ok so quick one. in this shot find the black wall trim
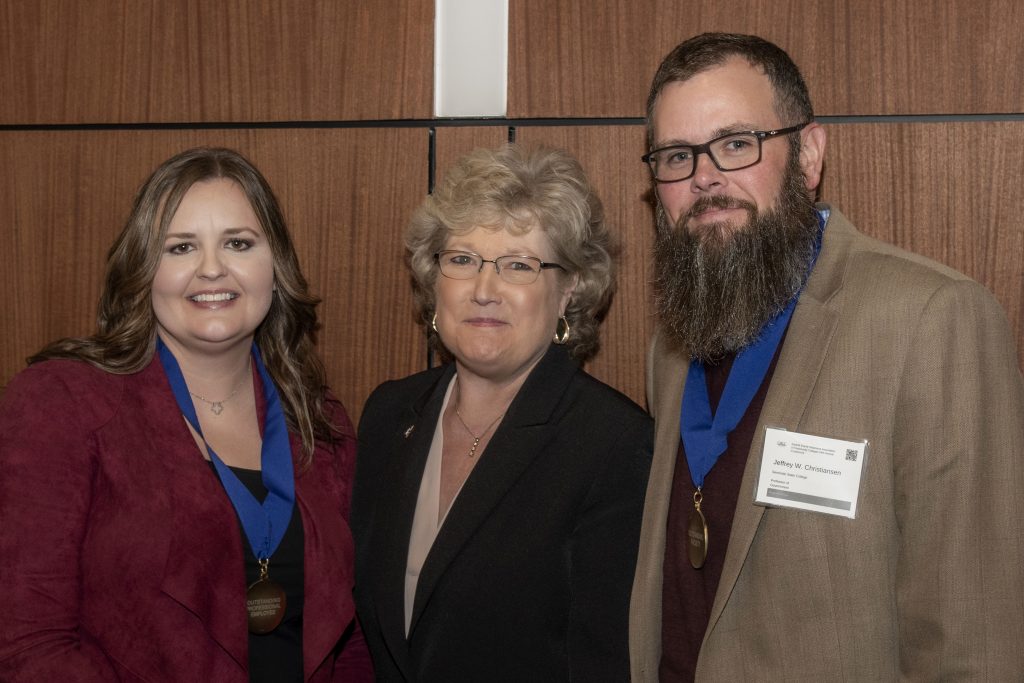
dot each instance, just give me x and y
(433, 124)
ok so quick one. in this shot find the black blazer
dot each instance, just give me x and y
(529, 577)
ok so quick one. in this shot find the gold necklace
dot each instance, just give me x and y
(217, 407)
(476, 439)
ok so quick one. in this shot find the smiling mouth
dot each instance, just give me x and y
(213, 298)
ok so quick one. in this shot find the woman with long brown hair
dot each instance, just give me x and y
(175, 487)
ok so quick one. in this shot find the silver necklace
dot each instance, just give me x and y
(217, 407)
(476, 439)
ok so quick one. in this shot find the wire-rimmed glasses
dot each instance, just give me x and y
(516, 270)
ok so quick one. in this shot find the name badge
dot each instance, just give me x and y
(807, 472)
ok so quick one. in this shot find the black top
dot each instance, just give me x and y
(276, 656)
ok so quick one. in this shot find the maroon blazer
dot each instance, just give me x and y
(120, 553)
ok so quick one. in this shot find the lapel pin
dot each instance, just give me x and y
(409, 430)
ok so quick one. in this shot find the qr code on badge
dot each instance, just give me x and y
(851, 454)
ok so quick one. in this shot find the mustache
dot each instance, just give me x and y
(717, 201)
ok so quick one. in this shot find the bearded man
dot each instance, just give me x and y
(837, 477)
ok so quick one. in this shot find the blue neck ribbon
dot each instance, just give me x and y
(264, 523)
(705, 436)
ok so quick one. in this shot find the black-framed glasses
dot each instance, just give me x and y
(516, 270)
(729, 152)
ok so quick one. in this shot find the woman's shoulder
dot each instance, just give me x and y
(65, 388)
(613, 437)
(73, 379)
(602, 397)
(422, 379)
(400, 393)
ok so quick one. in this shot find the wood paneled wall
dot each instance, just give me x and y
(187, 61)
(332, 101)
(596, 59)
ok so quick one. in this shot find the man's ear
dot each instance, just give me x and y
(812, 154)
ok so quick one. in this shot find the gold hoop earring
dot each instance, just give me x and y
(433, 323)
(563, 336)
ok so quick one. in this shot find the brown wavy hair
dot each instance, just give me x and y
(519, 189)
(125, 337)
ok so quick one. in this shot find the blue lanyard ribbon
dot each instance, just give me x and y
(265, 523)
(705, 436)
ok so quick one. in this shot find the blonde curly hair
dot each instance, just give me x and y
(518, 189)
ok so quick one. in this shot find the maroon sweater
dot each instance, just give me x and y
(688, 593)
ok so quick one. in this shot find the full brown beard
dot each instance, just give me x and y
(715, 288)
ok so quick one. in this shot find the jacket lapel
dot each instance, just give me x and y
(392, 527)
(328, 607)
(666, 380)
(202, 573)
(518, 441)
(805, 347)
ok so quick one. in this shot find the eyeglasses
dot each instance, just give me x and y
(729, 152)
(516, 270)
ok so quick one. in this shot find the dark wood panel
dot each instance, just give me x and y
(949, 191)
(346, 193)
(576, 59)
(67, 61)
(450, 143)
(611, 158)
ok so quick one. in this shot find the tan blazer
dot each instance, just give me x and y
(927, 583)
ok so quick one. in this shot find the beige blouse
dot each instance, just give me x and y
(427, 519)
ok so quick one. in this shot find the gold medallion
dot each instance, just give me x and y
(697, 534)
(266, 602)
